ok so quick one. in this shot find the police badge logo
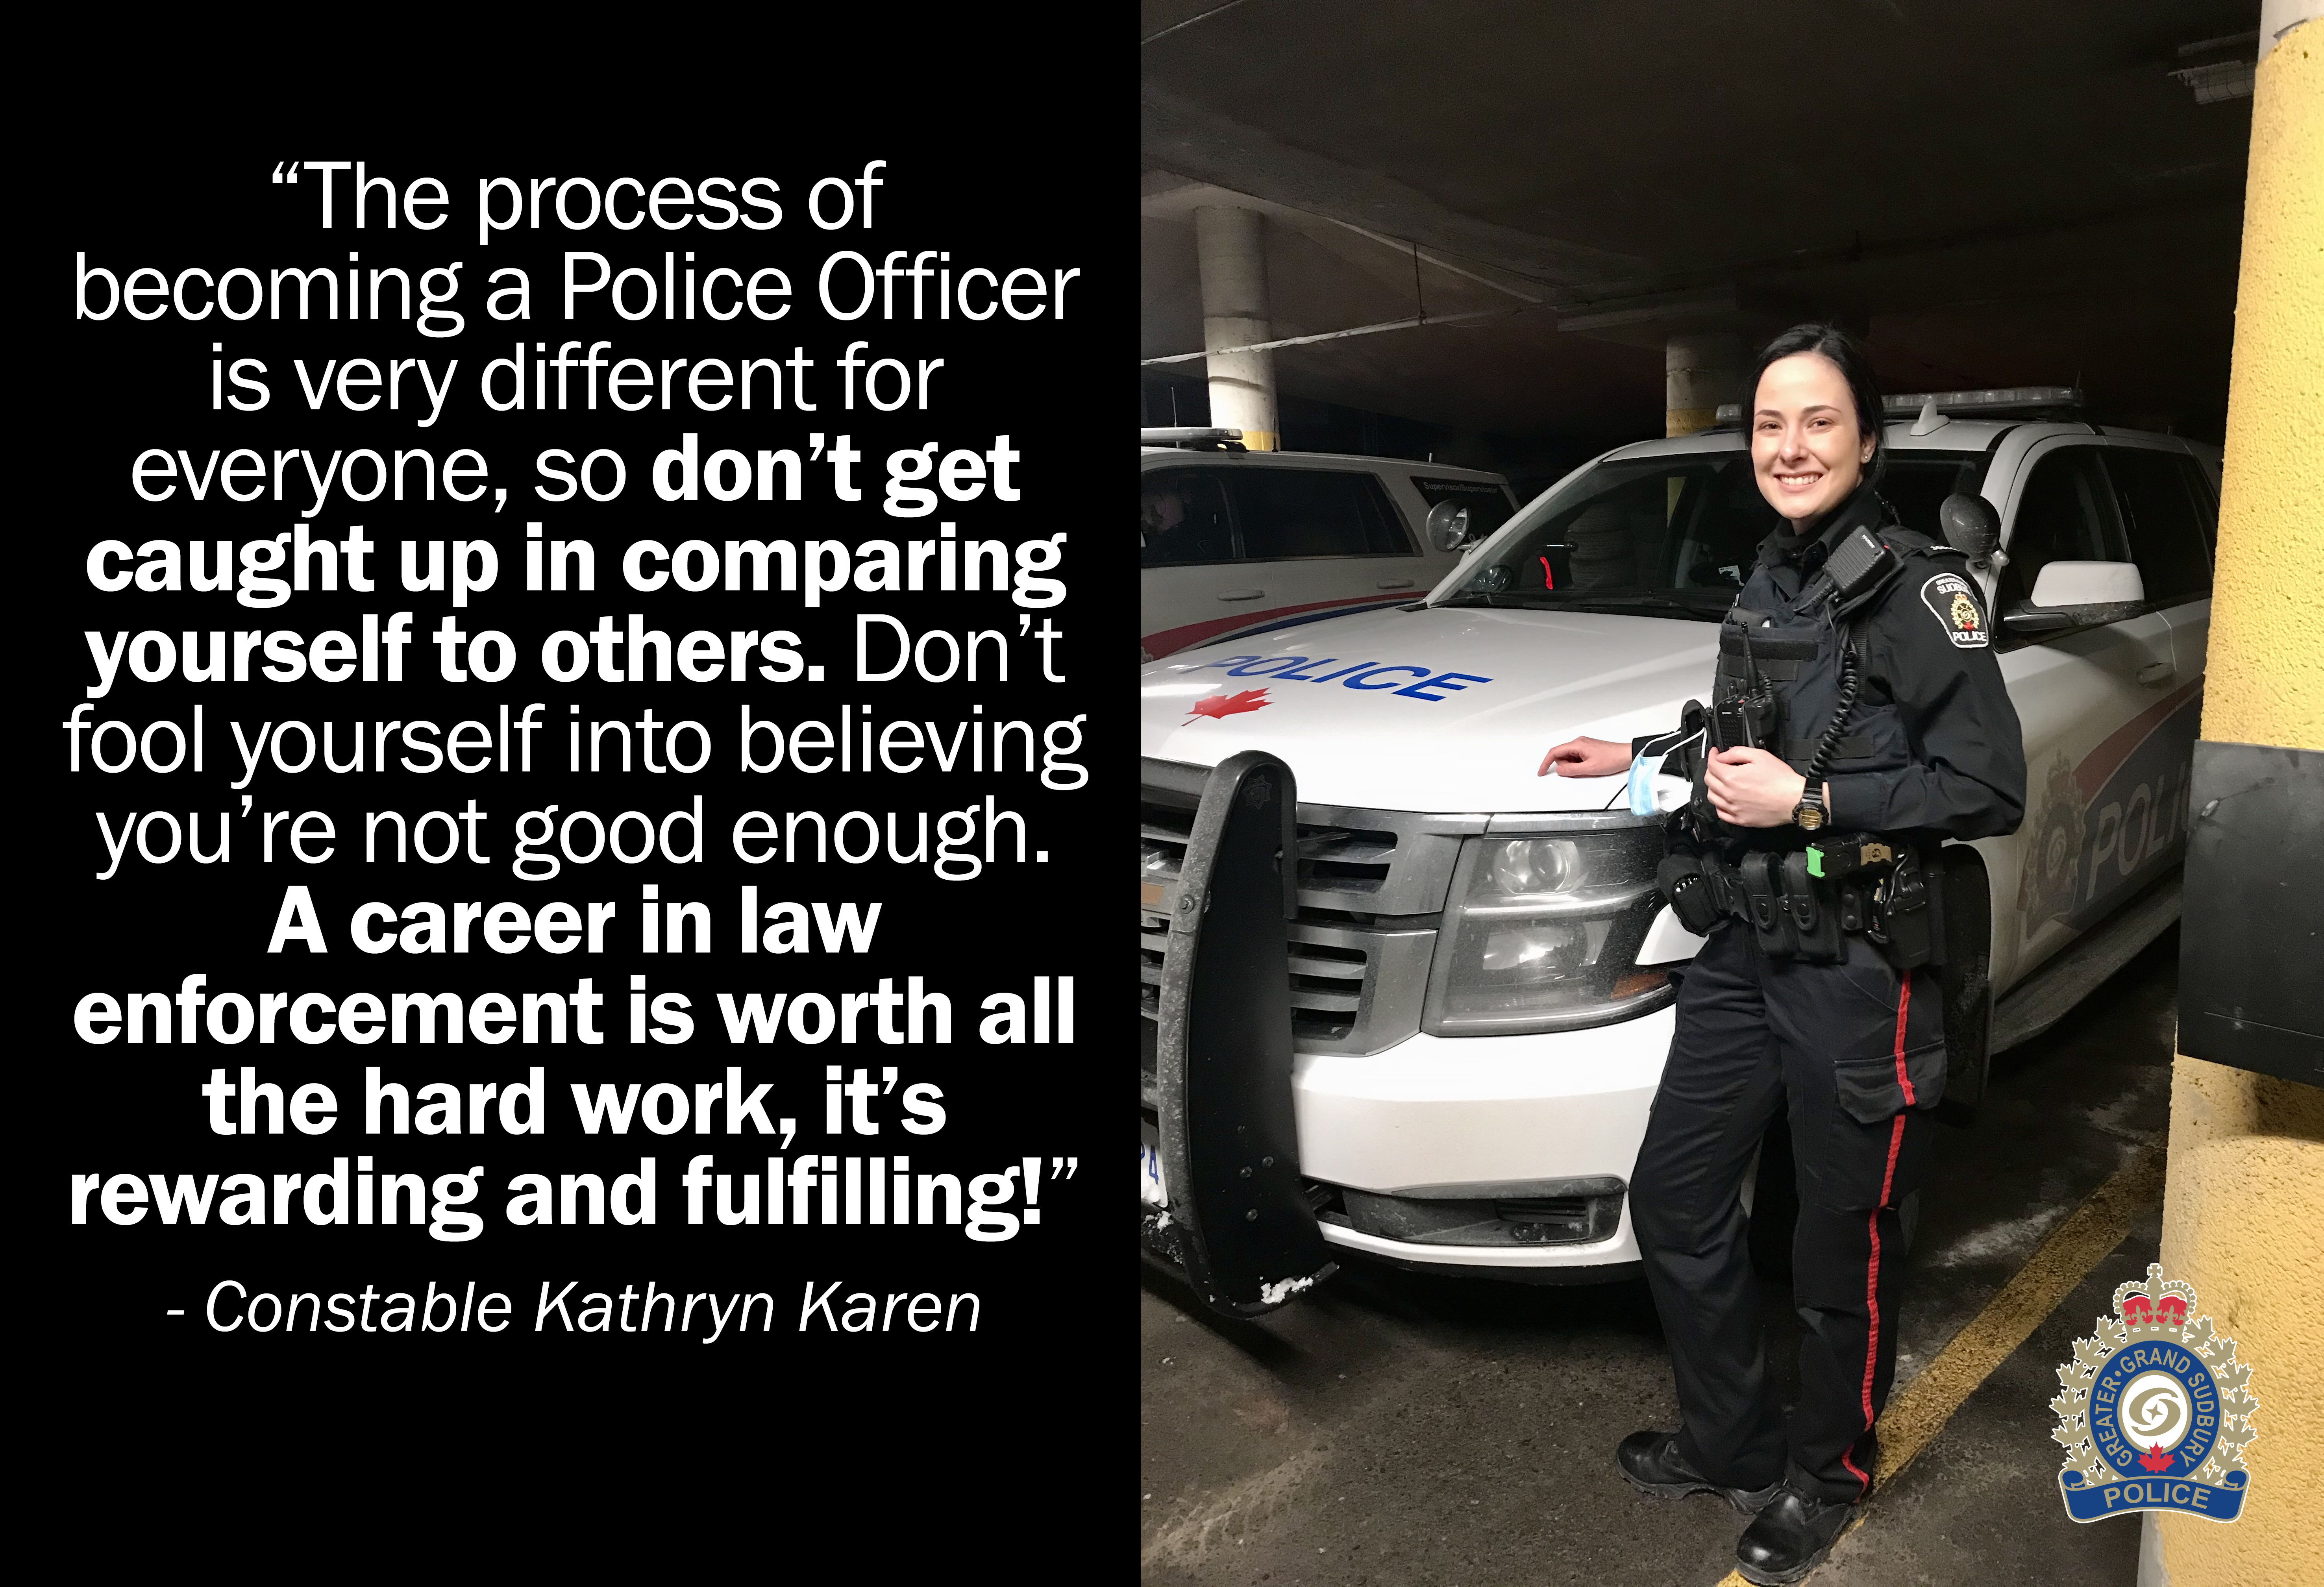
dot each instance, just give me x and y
(1948, 595)
(2155, 1412)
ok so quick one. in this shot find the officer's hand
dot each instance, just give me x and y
(1751, 788)
(1586, 757)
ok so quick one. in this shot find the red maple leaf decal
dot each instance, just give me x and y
(2154, 1460)
(1218, 706)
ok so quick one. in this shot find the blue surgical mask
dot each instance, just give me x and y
(1642, 783)
(1652, 789)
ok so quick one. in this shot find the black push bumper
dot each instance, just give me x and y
(1238, 1222)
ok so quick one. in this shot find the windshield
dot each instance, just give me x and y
(1676, 535)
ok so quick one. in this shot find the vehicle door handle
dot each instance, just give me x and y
(1394, 583)
(2156, 674)
(1240, 594)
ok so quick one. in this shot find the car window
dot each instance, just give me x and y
(1489, 504)
(1182, 517)
(1286, 512)
(2066, 514)
(2159, 492)
(1917, 487)
(2205, 484)
(1677, 534)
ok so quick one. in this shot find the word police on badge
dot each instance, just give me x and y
(1948, 595)
(2155, 1411)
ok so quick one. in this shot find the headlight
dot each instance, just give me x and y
(1543, 932)
(1520, 867)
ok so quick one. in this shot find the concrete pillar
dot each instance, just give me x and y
(1232, 245)
(2243, 1215)
(1701, 370)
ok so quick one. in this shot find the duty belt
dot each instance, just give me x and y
(1799, 904)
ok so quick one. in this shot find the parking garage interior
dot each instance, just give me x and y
(1510, 236)
(1579, 221)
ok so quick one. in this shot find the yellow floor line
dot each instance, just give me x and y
(1916, 1413)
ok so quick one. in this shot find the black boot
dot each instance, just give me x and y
(1651, 1464)
(1790, 1536)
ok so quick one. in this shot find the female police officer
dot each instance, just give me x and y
(1859, 720)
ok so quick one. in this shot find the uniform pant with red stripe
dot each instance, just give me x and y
(1854, 1053)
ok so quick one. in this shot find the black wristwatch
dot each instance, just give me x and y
(1809, 814)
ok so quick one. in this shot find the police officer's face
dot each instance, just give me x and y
(1806, 450)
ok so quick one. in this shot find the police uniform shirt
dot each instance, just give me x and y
(1925, 646)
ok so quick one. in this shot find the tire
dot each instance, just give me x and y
(1969, 1050)
(1969, 990)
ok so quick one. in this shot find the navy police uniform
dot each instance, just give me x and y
(1813, 994)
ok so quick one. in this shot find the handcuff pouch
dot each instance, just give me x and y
(1815, 925)
(1770, 922)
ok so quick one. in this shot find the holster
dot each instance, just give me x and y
(1903, 919)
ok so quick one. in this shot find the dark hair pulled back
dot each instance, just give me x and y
(1855, 367)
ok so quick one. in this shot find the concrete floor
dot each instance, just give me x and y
(1391, 1429)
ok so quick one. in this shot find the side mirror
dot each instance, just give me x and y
(2078, 595)
(1447, 525)
(1970, 526)
(2090, 584)
(2029, 620)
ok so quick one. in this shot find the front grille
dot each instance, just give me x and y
(1327, 985)
(1333, 859)
(1153, 940)
(1352, 862)
(1328, 962)
(1359, 963)
(1337, 944)
(1345, 860)
(1327, 978)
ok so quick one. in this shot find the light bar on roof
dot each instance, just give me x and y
(1988, 400)
(1181, 434)
(1992, 399)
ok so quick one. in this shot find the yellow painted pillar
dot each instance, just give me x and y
(1701, 370)
(2243, 1217)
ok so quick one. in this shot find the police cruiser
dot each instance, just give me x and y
(1404, 996)
(1234, 542)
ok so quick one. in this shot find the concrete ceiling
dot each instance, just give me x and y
(1995, 193)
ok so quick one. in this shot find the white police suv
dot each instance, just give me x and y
(1234, 542)
(1476, 970)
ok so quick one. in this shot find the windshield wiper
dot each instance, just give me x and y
(1704, 601)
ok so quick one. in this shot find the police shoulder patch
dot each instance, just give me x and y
(1953, 600)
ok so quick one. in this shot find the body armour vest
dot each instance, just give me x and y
(1801, 650)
